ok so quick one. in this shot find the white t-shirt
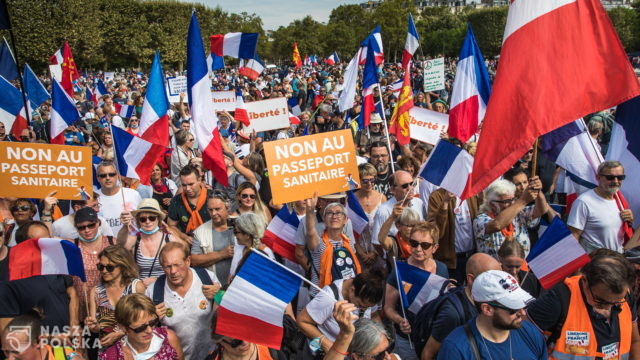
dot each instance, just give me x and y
(111, 206)
(600, 222)
(320, 309)
(464, 227)
(191, 318)
(63, 228)
(385, 210)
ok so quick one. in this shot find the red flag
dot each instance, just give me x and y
(69, 70)
(296, 56)
(400, 119)
(544, 82)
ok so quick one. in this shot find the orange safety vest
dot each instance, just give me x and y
(577, 339)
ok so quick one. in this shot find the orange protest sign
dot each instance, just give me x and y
(34, 170)
(300, 166)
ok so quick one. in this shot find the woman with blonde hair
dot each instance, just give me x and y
(248, 200)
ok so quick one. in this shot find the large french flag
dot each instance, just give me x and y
(411, 44)
(135, 156)
(238, 45)
(63, 112)
(374, 41)
(241, 114)
(471, 90)
(154, 122)
(125, 111)
(556, 255)
(333, 59)
(448, 167)
(12, 112)
(356, 214)
(348, 94)
(201, 104)
(538, 72)
(418, 287)
(45, 256)
(280, 235)
(251, 68)
(253, 306)
(369, 83)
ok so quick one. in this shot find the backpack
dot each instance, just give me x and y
(158, 286)
(423, 321)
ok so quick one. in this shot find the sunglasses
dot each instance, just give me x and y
(612, 177)
(109, 267)
(144, 219)
(102, 176)
(405, 185)
(500, 306)
(233, 343)
(367, 181)
(379, 356)
(88, 226)
(20, 208)
(153, 323)
(424, 245)
(251, 196)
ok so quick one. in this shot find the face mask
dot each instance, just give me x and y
(154, 347)
(91, 240)
(150, 232)
(133, 126)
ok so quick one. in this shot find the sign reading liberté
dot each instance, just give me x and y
(33, 170)
(434, 74)
(426, 125)
(224, 100)
(267, 115)
(323, 163)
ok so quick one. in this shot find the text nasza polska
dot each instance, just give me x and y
(295, 150)
(40, 171)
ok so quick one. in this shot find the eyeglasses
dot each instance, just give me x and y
(424, 245)
(500, 306)
(233, 343)
(20, 208)
(88, 226)
(109, 267)
(337, 214)
(144, 219)
(102, 176)
(405, 185)
(367, 181)
(153, 323)
(379, 356)
(505, 201)
(603, 302)
(251, 196)
(613, 177)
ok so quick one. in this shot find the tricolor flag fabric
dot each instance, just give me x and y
(296, 56)
(238, 45)
(135, 156)
(294, 105)
(8, 67)
(448, 167)
(418, 287)
(154, 121)
(556, 255)
(314, 60)
(306, 61)
(400, 119)
(294, 120)
(374, 40)
(45, 256)
(555, 74)
(241, 113)
(125, 111)
(348, 94)
(471, 90)
(251, 68)
(397, 86)
(215, 62)
(56, 58)
(201, 104)
(12, 112)
(90, 96)
(63, 112)
(332, 59)
(369, 83)
(253, 306)
(36, 92)
(101, 89)
(356, 214)
(280, 235)
(411, 44)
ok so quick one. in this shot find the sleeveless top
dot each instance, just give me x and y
(149, 266)
(105, 312)
(166, 352)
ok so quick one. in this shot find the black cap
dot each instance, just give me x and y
(85, 214)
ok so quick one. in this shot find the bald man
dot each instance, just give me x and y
(447, 317)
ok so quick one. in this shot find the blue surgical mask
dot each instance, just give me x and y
(150, 232)
(91, 240)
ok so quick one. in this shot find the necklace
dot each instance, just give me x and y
(488, 352)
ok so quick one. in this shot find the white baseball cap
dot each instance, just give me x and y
(500, 287)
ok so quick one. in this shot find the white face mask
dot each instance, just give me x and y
(154, 347)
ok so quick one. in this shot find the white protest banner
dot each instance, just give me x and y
(224, 100)
(175, 86)
(109, 75)
(267, 115)
(426, 125)
(434, 74)
(56, 72)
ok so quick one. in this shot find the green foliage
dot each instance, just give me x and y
(488, 26)
(627, 24)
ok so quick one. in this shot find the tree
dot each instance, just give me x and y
(627, 24)
(488, 26)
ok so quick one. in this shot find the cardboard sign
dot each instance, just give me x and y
(434, 74)
(175, 86)
(224, 100)
(300, 166)
(34, 170)
(426, 125)
(267, 115)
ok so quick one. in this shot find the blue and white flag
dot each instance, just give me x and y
(448, 167)
(417, 286)
(8, 67)
(356, 214)
(36, 92)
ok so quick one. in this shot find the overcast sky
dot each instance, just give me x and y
(275, 13)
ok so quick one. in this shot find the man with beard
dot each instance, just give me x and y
(499, 331)
(380, 159)
(595, 219)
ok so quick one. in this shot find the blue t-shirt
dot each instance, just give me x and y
(522, 344)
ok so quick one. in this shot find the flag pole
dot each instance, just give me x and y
(115, 161)
(22, 90)
(534, 160)
(404, 315)
(386, 129)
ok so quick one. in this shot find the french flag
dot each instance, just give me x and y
(374, 41)
(333, 59)
(36, 92)
(253, 305)
(556, 255)
(418, 287)
(356, 214)
(201, 104)
(56, 58)
(95, 161)
(237, 45)
(154, 122)
(90, 96)
(63, 112)
(348, 93)
(448, 167)
(314, 60)
(135, 156)
(12, 112)
(241, 113)
(45, 256)
(306, 61)
(280, 235)
(397, 86)
(369, 83)
(294, 105)
(471, 90)
(101, 89)
(251, 68)
(215, 62)
(125, 111)
(411, 44)
(293, 119)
